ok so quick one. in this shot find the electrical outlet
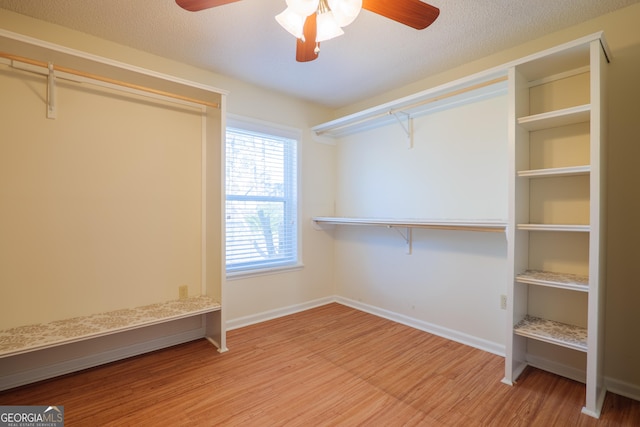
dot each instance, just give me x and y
(503, 302)
(183, 292)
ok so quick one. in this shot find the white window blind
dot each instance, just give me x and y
(261, 202)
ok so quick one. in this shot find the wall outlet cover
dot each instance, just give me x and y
(183, 292)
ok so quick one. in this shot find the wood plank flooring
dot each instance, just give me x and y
(328, 366)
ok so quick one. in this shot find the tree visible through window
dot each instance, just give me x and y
(261, 205)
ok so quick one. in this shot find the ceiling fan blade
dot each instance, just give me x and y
(306, 50)
(413, 13)
(196, 5)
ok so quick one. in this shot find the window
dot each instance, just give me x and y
(261, 200)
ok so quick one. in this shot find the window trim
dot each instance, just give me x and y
(268, 128)
(243, 274)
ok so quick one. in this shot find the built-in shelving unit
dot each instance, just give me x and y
(556, 215)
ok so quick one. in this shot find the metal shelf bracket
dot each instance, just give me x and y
(408, 238)
(51, 93)
(408, 128)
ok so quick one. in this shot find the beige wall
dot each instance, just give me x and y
(253, 295)
(95, 217)
(456, 169)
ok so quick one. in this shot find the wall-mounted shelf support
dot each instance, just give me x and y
(408, 128)
(408, 237)
(51, 93)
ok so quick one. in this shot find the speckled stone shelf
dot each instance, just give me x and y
(27, 338)
(553, 332)
(558, 280)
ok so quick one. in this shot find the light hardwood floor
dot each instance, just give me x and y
(331, 365)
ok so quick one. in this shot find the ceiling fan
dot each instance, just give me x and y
(315, 21)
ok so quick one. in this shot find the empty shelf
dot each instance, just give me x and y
(555, 172)
(463, 225)
(557, 280)
(551, 119)
(555, 227)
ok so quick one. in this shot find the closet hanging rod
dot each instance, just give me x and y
(415, 104)
(107, 80)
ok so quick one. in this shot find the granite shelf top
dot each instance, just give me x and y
(26, 338)
(553, 332)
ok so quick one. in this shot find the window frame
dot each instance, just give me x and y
(252, 125)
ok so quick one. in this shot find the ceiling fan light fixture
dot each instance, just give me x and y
(345, 11)
(328, 27)
(292, 22)
(303, 7)
(323, 19)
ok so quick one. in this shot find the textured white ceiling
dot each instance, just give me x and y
(376, 54)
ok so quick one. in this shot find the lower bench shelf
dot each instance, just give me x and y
(28, 338)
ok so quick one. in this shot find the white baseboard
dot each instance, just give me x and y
(460, 337)
(479, 343)
(557, 368)
(632, 391)
(78, 364)
(241, 322)
(613, 385)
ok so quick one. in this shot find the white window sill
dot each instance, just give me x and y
(238, 275)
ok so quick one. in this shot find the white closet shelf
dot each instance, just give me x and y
(555, 227)
(473, 88)
(555, 172)
(568, 281)
(463, 225)
(557, 118)
(550, 331)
